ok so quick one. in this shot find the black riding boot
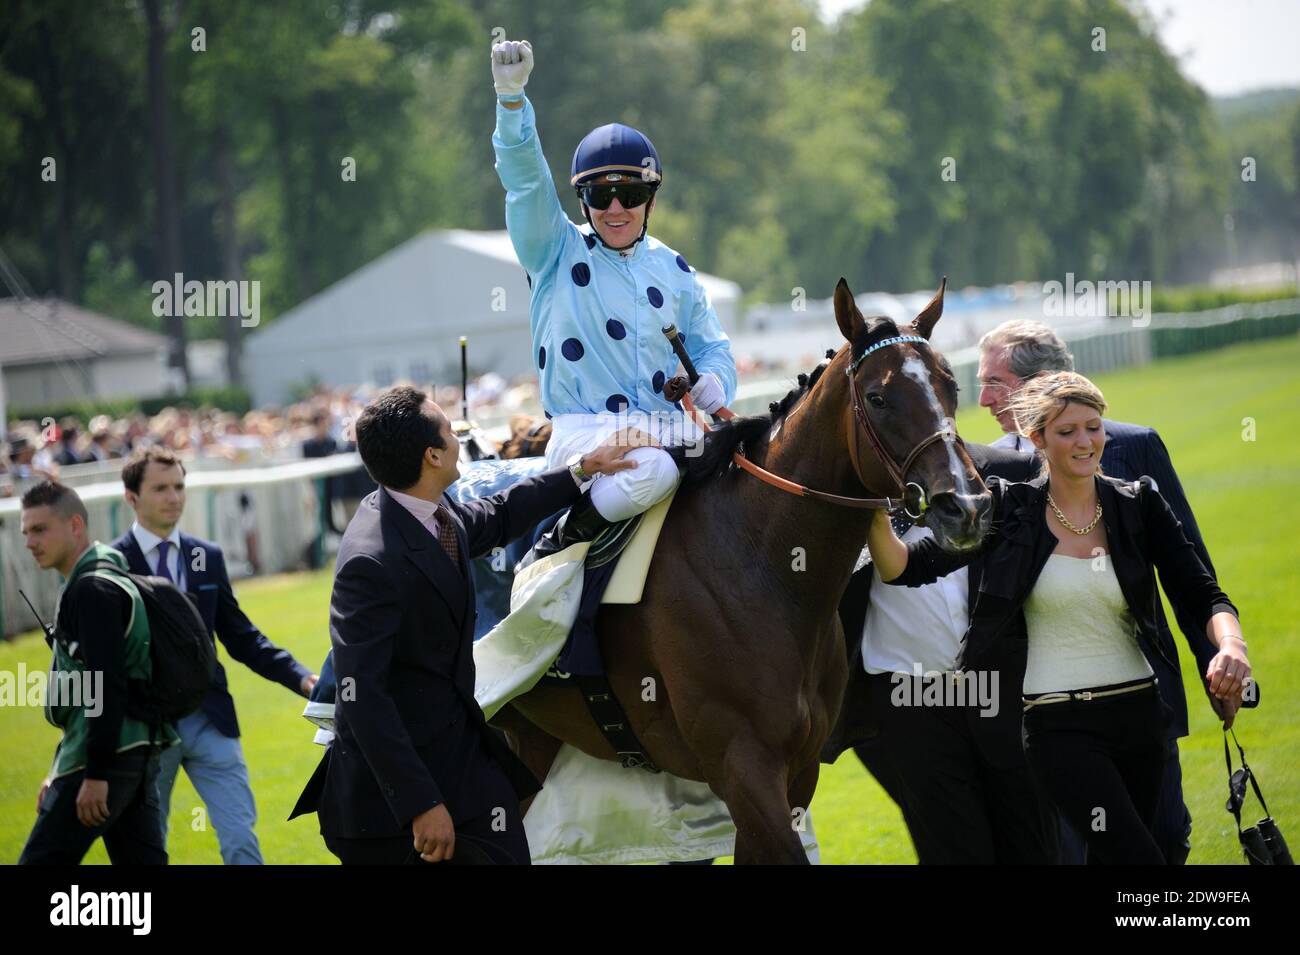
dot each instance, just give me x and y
(582, 523)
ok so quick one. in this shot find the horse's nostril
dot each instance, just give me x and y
(964, 509)
(947, 506)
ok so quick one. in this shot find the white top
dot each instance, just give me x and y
(906, 626)
(149, 542)
(1081, 633)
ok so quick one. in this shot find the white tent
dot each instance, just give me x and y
(400, 316)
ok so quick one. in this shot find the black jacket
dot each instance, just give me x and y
(998, 738)
(208, 584)
(1143, 535)
(409, 734)
(94, 614)
(1133, 451)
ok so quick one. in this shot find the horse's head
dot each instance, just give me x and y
(900, 420)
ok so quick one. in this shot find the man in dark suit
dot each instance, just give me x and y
(210, 751)
(1015, 351)
(414, 771)
(958, 773)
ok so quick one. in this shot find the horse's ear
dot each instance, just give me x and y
(929, 316)
(846, 311)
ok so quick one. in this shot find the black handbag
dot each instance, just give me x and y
(1262, 843)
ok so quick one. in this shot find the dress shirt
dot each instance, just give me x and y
(149, 542)
(425, 512)
(1015, 442)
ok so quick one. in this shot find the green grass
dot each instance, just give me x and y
(1242, 493)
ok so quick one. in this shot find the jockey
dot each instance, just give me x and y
(600, 297)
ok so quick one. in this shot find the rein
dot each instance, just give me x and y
(896, 472)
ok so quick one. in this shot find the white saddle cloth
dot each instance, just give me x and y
(593, 811)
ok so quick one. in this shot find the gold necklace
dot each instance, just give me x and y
(1066, 523)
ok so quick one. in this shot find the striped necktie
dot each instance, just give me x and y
(447, 534)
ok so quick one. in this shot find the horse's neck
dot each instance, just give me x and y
(810, 448)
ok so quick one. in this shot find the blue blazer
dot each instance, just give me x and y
(209, 587)
(1131, 452)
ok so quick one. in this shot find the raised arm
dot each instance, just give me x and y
(496, 520)
(534, 218)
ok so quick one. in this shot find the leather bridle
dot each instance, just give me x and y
(914, 506)
(897, 473)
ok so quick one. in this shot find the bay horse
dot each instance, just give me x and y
(737, 626)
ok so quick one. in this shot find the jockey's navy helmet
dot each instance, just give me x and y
(616, 149)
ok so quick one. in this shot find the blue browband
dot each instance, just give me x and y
(896, 340)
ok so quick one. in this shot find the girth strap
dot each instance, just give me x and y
(613, 722)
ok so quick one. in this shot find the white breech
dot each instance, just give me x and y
(626, 493)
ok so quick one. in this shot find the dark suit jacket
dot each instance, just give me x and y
(208, 584)
(997, 737)
(409, 734)
(1143, 536)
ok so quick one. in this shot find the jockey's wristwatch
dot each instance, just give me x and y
(575, 468)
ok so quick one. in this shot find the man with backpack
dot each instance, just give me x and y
(210, 751)
(104, 779)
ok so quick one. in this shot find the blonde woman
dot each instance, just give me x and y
(1076, 552)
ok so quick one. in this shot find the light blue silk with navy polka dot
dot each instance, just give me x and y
(597, 316)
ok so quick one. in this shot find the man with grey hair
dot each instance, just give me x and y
(1014, 352)
(1009, 354)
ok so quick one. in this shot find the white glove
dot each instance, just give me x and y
(708, 394)
(512, 61)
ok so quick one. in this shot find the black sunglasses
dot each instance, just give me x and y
(600, 195)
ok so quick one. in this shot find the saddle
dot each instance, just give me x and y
(615, 567)
(631, 544)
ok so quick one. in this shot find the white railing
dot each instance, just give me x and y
(1098, 346)
(283, 512)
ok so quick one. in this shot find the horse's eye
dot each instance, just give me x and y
(876, 400)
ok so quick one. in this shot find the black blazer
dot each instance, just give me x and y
(409, 734)
(208, 585)
(1143, 535)
(998, 738)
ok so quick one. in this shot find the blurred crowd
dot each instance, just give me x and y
(314, 427)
